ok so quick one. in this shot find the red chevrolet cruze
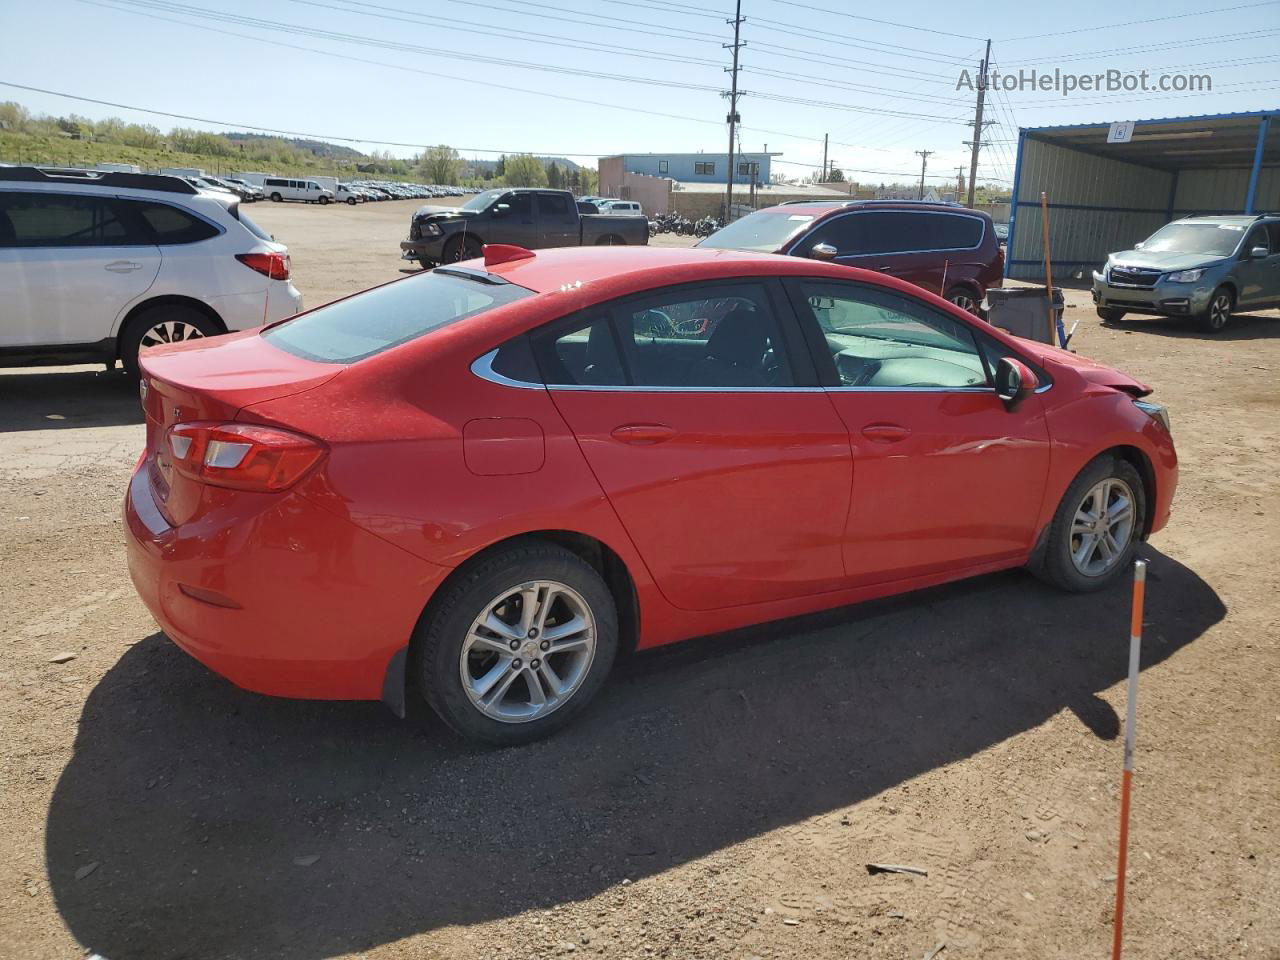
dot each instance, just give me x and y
(480, 483)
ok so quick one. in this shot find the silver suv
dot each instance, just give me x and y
(1201, 267)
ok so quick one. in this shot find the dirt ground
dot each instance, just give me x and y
(722, 798)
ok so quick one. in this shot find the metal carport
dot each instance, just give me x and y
(1105, 196)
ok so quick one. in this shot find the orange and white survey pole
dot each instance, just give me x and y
(1131, 716)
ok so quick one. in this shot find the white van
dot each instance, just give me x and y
(625, 207)
(278, 188)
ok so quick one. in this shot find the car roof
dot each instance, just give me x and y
(624, 268)
(820, 208)
(1239, 218)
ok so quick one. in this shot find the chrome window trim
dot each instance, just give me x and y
(893, 253)
(912, 389)
(482, 367)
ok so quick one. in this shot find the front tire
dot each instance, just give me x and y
(462, 248)
(276, 198)
(324, 201)
(1096, 528)
(1110, 315)
(351, 201)
(518, 645)
(172, 323)
(1218, 313)
(965, 300)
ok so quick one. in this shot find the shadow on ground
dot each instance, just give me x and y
(1241, 326)
(73, 398)
(196, 799)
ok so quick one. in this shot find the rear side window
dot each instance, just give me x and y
(892, 231)
(553, 205)
(169, 225)
(62, 220)
(388, 316)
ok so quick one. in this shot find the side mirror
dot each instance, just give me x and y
(1258, 253)
(1014, 381)
(501, 209)
(823, 251)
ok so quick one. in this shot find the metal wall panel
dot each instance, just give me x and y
(1224, 191)
(1097, 205)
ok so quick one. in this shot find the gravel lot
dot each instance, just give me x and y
(721, 800)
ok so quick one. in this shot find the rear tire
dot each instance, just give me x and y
(167, 323)
(482, 687)
(1096, 528)
(964, 299)
(1218, 313)
(1109, 315)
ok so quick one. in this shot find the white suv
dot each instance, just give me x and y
(95, 266)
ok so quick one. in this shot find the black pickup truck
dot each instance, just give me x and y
(529, 218)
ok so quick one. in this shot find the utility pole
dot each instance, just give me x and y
(959, 181)
(824, 158)
(924, 156)
(977, 125)
(732, 118)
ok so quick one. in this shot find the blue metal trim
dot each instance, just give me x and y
(1087, 206)
(1191, 119)
(1056, 263)
(1264, 125)
(1013, 206)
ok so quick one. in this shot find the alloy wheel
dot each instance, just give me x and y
(528, 652)
(1102, 527)
(170, 331)
(965, 302)
(1219, 311)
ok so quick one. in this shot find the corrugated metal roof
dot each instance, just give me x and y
(1192, 119)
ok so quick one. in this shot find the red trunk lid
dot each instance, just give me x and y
(212, 379)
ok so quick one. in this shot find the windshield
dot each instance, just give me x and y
(387, 316)
(766, 231)
(1211, 239)
(482, 200)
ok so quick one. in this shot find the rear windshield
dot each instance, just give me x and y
(249, 224)
(764, 232)
(388, 316)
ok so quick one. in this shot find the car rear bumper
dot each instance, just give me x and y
(1163, 300)
(276, 594)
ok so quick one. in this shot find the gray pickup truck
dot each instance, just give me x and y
(529, 218)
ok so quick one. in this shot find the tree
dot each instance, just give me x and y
(835, 175)
(440, 165)
(500, 168)
(554, 179)
(524, 170)
(588, 182)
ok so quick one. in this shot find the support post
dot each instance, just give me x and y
(1264, 125)
(1130, 718)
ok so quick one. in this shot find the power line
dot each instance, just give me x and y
(1146, 21)
(1130, 51)
(887, 23)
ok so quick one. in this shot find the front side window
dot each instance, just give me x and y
(846, 233)
(1257, 238)
(387, 316)
(62, 220)
(878, 338)
(521, 205)
(720, 336)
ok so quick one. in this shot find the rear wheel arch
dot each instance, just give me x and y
(596, 553)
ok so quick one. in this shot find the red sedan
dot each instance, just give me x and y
(480, 483)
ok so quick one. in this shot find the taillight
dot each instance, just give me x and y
(273, 265)
(242, 456)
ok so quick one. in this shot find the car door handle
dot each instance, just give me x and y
(885, 432)
(122, 266)
(643, 434)
(884, 269)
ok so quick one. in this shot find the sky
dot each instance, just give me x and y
(591, 78)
